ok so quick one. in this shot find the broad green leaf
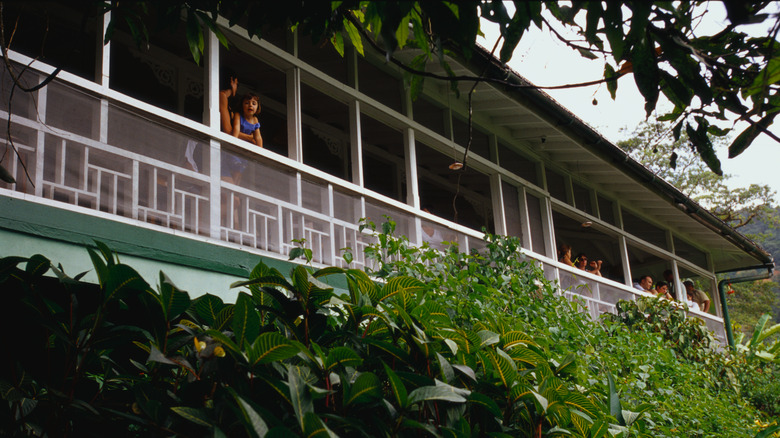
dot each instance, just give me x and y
(37, 265)
(194, 36)
(337, 40)
(437, 392)
(486, 337)
(299, 395)
(486, 403)
(208, 307)
(514, 338)
(613, 400)
(224, 317)
(196, 416)
(174, 301)
(313, 427)
(354, 36)
(253, 422)
(746, 137)
(764, 79)
(246, 320)
(122, 278)
(366, 388)
(758, 328)
(399, 390)
(398, 285)
(342, 356)
(270, 347)
(448, 375)
(580, 402)
(769, 332)
(501, 365)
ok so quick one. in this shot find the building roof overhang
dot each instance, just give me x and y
(564, 141)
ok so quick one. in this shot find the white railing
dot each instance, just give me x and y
(124, 163)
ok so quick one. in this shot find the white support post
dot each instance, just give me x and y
(525, 220)
(40, 143)
(103, 51)
(215, 193)
(499, 215)
(356, 143)
(211, 81)
(410, 150)
(294, 122)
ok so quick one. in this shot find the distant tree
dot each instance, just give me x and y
(677, 162)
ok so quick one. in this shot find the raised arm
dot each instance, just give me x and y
(226, 125)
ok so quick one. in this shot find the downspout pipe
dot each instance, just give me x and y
(722, 293)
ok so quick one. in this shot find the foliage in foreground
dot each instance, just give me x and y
(448, 344)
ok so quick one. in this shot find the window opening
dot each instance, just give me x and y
(644, 230)
(383, 158)
(589, 244)
(380, 85)
(162, 74)
(64, 38)
(556, 185)
(437, 184)
(326, 144)
(517, 164)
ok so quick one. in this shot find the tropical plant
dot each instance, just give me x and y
(440, 344)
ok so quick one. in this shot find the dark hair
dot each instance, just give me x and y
(661, 284)
(254, 96)
(225, 75)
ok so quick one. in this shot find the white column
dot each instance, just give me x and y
(356, 143)
(294, 124)
(211, 82)
(410, 150)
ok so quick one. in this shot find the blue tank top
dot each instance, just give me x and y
(246, 127)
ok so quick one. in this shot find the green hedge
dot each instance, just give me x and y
(430, 344)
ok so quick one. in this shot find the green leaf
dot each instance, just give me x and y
(252, 421)
(208, 307)
(354, 36)
(766, 77)
(646, 73)
(768, 432)
(366, 388)
(343, 356)
(194, 415)
(486, 337)
(337, 40)
(6, 176)
(397, 387)
(122, 278)
(37, 265)
(401, 285)
(486, 403)
(271, 347)
(746, 137)
(246, 320)
(502, 365)
(438, 392)
(174, 302)
(299, 395)
(613, 400)
(759, 327)
(313, 427)
(194, 36)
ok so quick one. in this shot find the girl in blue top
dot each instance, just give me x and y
(245, 123)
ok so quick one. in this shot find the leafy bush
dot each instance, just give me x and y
(440, 344)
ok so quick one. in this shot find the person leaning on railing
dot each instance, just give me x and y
(662, 291)
(697, 296)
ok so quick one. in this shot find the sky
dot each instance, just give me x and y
(545, 61)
